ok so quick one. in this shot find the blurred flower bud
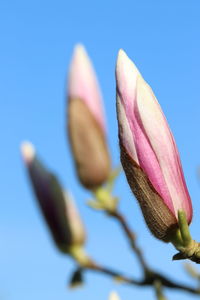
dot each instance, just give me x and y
(57, 206)
(86, 124)
(113, 296)
(76, 279)
(148, 152)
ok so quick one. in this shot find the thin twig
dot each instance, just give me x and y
(148, 281)
(150, 277)
(159, 290)
(132, 240)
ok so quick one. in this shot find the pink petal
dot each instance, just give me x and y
(162, 143)
(83, 84)
(147, 137)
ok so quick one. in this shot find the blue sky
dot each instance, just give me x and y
(37, 40)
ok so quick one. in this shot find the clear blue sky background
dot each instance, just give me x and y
(36, 43)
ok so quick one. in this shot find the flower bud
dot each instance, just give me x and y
(86, 124)
(57, 206)
(114, 296)
(148, 152)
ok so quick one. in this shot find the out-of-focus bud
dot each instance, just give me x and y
(86, 124)
(113, 296)
(148, 152)
(57, 206)
(76, 279)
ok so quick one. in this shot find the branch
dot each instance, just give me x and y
(159, 291)
(132, 239)
(150, 280)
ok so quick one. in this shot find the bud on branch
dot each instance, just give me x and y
(86, 124)
(56, 205)
(148, 152)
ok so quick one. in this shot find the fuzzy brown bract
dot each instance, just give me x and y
(157, 215)
(88, 145)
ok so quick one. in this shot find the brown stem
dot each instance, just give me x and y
(150, 280)
(132, 239)
(116, 275)
(150, 277)
(159, 290)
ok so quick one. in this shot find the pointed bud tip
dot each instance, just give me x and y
(79, 48)
(80, 53)
(79, 73)
(121, 55)
(121, 58)
(28, 152)
(113, 296)
(125, 66)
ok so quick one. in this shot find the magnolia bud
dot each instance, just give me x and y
(57, 207)
(113, 296)
(86, 124)
(148, 152)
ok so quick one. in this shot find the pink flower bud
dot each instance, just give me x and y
(57, 206)
(86, 123)
(148, 152)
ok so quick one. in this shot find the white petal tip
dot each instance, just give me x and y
(79, 48)
(79, 69)
(121, 57)
(28, 152)
(80, 52)
(125, 63)
(121, 54)
(113, 296)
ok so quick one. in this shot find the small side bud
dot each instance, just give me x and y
(76, 279)
(57, 207)
(86, 124)
(113, 296)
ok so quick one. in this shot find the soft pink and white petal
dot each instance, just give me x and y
(82, 83)
(74, 218)
(125, 130)
(126, 77)
(161, 140)
(133, 136)
(147, 137)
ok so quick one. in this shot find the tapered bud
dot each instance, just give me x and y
(113, 296)
(148, 152)
(86, 124)
(57, 206)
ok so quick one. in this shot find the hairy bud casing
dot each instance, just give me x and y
(148, 152)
